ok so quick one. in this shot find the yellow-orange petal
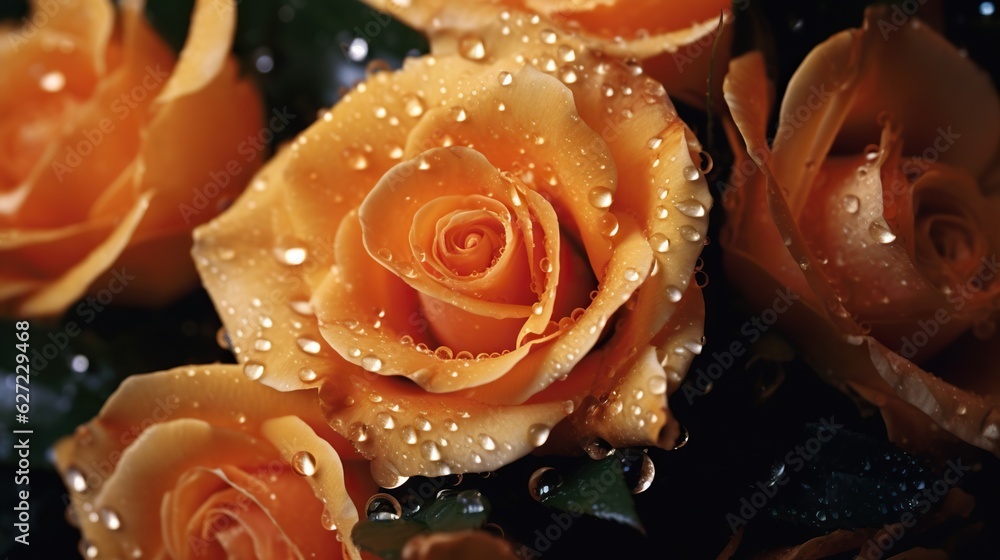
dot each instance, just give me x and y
(294, 438)
(213, 24)
(267, 312)
(68, 287)
(407, 431)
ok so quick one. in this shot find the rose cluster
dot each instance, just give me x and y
(489, 252)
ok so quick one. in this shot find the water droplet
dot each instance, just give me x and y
(309, 346)
(385, 474)
(253, 370)
(691, 208)
(52, 81)
(385, 420)
(538, 434)
(654, 142)
(543, 482)
(303, 463)
(881, 233)
(383, 507)
(566, 53)
(408, 434)
(657, 384)
(609, 225)
(458, 114)
(567, 75)
(291, 256)
(307, 375)
(111, 519)
(659, 242)
(371, 363)
(601, 197)
(472, 47)
(356, 159)
(470, 502)
(691, 173)
(262, 345)
(301, 307)
(327, 520)
(631, 275)
(506, 78)
(486, 442)
(548, 36)
(430, 451)
(75, 480)
(852, 204)
(413, 105)
(690, 234)
(87, 550)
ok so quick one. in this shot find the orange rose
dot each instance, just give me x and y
(673, 39)
(198, 462)
(464, 251)
(891, 247)
(105, 141)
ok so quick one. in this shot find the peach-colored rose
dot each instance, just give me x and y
(198, 462)
(673, 39)
(877, 205)
(465, 251)
(105, 139)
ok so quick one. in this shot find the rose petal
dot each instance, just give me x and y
(458, 546)
(407, 431)
(973, 418)
(270, 302)
(144, 439)
(205, 53)
(59, 294)
(291, 436)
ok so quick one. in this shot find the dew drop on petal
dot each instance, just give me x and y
(881, 233)
(76, 481)
(691, 208)
(659, 242)
(472, 47)
(691, 173)
(601, 197)
(413, 105)
(253, 370)
(430, 451)
(506, 78)
(385, 474)
(307, 375)
(291, 256)
(852, 204)
(303, 463)
(110, 519)
(690, 234)
(538, 434)
(309, 346)
(371, 363)
(486, 442)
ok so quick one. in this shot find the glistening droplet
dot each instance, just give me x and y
(543, 483)
(303, 463)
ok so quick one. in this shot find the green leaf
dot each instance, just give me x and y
(385, 539)
(466, 510)
(596, 488)
(448, 513)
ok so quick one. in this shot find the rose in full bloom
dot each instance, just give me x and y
(876, 205)
(464, 252)
(198, 462)
(112, 150)
(673, 39)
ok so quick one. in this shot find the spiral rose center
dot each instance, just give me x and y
(469, 242)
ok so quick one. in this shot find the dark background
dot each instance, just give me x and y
(750, 417)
